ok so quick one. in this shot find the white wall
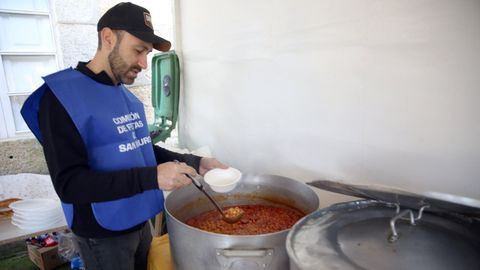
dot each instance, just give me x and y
(364, 91)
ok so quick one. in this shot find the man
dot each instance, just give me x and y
(94, 134)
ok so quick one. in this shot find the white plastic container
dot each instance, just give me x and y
(223, 180)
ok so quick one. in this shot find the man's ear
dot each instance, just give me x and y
(108, 38)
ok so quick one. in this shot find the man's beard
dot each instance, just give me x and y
(120, 68)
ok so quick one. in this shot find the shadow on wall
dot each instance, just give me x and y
(22, 156)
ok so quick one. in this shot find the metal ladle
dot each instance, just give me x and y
(227, 218)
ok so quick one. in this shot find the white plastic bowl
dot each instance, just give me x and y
(223, 180)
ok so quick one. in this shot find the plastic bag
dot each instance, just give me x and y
(66, 245)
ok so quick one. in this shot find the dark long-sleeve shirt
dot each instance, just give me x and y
(74, 181)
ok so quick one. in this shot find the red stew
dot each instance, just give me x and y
(257, 219)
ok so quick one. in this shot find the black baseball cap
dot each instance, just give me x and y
(134, 19)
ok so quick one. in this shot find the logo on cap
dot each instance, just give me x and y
(147, 19)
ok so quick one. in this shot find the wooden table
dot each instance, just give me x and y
(11, 233)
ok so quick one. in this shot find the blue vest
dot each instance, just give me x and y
(112, 124)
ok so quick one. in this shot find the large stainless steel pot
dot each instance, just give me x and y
(410, 231)
(194, 249)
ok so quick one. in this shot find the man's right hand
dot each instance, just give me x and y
(171, 175)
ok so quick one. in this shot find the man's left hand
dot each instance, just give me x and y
(207, 164)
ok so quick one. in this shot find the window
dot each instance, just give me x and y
(27, 52)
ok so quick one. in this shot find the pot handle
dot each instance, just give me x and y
(262, 257)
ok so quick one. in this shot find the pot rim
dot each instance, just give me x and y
(169, 215)
(305, 211)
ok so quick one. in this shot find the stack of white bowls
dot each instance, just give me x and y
(37, 214)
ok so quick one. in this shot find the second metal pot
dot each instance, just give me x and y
(395, 229)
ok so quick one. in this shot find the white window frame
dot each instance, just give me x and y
(7, 122)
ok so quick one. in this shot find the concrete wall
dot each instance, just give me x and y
(76, 38)
(22, 156)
